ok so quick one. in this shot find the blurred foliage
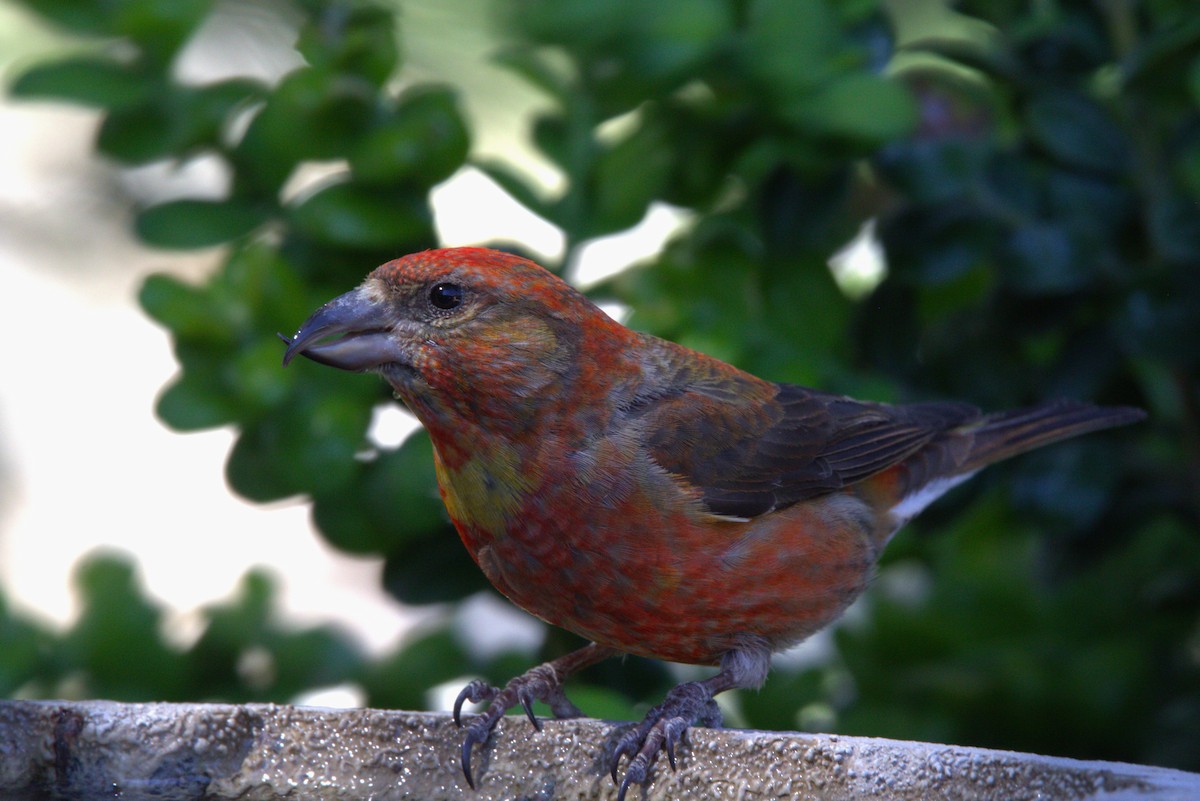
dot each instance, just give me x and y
(1036, 188)
(117, 648)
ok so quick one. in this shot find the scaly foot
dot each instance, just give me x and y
(662, 729)
(692, 703)
(542, 683)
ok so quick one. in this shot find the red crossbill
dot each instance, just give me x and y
(647, 497)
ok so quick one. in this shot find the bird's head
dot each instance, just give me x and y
(459, 332)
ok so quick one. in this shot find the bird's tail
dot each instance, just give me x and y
(1005, 434)
(964, 450)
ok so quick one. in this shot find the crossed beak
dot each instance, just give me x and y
(350, 332)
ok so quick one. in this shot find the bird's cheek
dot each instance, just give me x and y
(437, 368)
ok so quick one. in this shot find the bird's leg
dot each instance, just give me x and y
(690, 703)
(542, 683)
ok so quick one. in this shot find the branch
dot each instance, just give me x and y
(102, 749)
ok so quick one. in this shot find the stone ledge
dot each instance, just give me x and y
(100, 749)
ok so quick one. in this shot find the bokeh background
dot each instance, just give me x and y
(996, 202)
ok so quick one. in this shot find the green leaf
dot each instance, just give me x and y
(312, 115)
(139, 134)
(859, 106)
(118, 620)
(1194, 80)
(346, 523)
(552, 134)
(350, 215)
(423, 142)
(88, 81)
(307, 445)
(210, 110)
(1043, 260)
(993, 62)
(584, 24)
(183, 308)
(1077, 131)
(790, 47)
(23, 657)
(425, 661)
(366, 521)
(404, 478)
(193, 402)
(349, 38)
(256, 373)
(160, 28)
(86, 19)
(1161, 56)
(676, 37)
(538, 71)
(628, 176)
(190, 224)
(432, 570)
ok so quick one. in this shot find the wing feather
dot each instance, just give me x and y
(751, 446)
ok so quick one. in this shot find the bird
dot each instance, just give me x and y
(650, 498)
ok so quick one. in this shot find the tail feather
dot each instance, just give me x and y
(963, 450)
(1005, 434)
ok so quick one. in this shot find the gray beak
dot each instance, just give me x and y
(361, 331)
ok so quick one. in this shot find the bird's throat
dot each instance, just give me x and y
(484, 491)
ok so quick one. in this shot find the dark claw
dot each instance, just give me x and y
(624, 786)
(468, 742)
(477, 734)
(474, 692)
(458, 705)
(527, 705)
(627, 747)
(636, 774)
(542, 683)
(664, 729)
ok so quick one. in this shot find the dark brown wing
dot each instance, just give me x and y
(751, 446)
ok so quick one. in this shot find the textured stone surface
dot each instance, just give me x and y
(97, 749)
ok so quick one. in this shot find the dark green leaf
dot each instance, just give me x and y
(118, 620)
(537, 70)
(1043, 260)
(992, 62)
(432, 570)
(211, 110)
(256, 373)
(193, 402)
(1077, 131)
(790, 47)
(183, 308)
(361, 40)
(140, 134)
(350, 215)
(189, 224)
(160, 29)
(25, 651)
(858, 106)
(404, 479)
(678, 36)
(86, 19)
(424, 662)
(346, 523)
(311, 115)
(423, 143)
(628, 176)
(88, 81)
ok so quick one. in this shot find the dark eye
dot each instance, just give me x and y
(446, 296)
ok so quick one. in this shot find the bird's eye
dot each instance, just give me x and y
(446, 296)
